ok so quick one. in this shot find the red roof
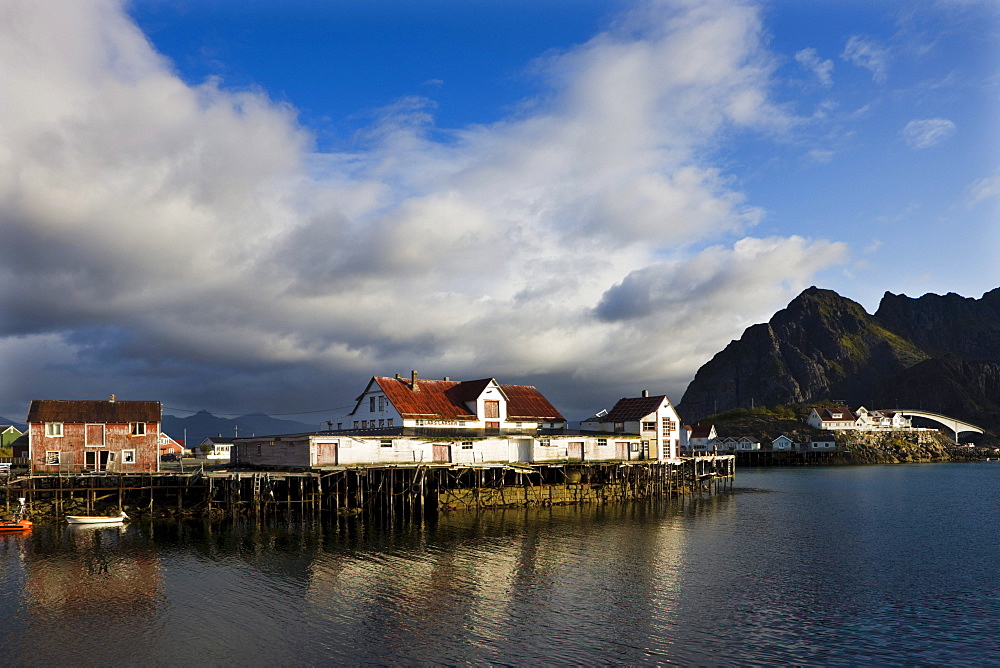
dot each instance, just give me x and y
(447, 399)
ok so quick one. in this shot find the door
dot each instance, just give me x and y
(96, 459)
(326, 454)
(442, 453)
(575, 452)
(621, 450)
(492, 427)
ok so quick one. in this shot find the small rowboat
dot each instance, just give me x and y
(95, 519)
(16, 523)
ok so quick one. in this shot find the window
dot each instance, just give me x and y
(668, 426)
(385, 443)
(517, 425)
(364, 424)
(649, 426)
(491, 408)
(634, 447)
(466, 445)
(545, 442)
(602, 442)
(381, 404)
(355, 424)
(389, 422)
(53, 428)
(138, 428)
(371, 404)
(128, 456)
(381, 423)
(51, 457)
(619, 426)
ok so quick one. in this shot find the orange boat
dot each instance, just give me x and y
(17, 523)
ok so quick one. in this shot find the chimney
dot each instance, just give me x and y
(413, 381)
(398, 377)
(645, 393)
(111, 399)
(447, 377)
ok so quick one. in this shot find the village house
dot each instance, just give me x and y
(861, 419)
(8, 434)
(699, 437)
(120, 436)
(783, 443)
(483, 404)
(216, 448)
(653, 418)
(412, 420)
(170, 446)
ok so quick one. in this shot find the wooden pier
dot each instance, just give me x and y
(404, 492)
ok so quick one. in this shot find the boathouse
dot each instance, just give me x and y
(112, 435)
(654, 418)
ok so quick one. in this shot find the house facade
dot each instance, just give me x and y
(861, 419)
(653, 418)
(329, 449)
(215, 448)
(484, 404)
(8, 434)
(700, 438)
(72, 436)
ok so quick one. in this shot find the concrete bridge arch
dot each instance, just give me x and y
(954, 424)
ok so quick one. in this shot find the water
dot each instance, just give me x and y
(881, 565)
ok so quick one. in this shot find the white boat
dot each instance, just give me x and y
(95, 519)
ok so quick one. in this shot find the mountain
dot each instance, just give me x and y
(21, 426)
(938, 353)
(203, 424)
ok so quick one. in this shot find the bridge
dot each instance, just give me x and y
(954, 424)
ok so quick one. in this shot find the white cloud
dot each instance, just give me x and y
(868, 53)
(186, 235)
(927, 132)
(810, 60)
(984, 189)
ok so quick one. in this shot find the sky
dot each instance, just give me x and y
(257, 206)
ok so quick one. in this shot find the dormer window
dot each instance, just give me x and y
(836, 416)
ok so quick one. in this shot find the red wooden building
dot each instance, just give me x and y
(73, 436)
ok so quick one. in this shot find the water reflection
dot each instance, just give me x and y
(804, 567)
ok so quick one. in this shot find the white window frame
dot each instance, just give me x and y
(467, 445)
(52, 461)
(137, 429)
(602, 442)
(385, 443)
(54, 429)
(128, 457)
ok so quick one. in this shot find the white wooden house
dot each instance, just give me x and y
(387, 403)
(215, 448)
(783, 443)
(653, 418)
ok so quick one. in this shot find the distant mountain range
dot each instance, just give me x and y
(22, 426)
(203, 424)
(939, 353)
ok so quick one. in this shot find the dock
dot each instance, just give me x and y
(383, 491)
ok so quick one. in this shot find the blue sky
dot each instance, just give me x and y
(258, 205)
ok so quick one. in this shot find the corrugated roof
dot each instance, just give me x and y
(631, 409)
(446, 399)
(56, 410)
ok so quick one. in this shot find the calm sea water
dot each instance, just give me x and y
(881, 565)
